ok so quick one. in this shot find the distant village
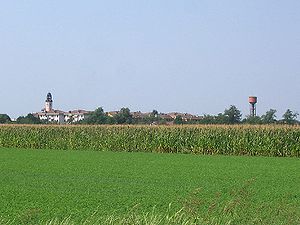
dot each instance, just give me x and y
(231, 115)
(51, 115)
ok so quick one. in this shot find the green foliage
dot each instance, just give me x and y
(208, 119)
(214, 139)
(29, 119)
(96, 117)
(4, 118)
(154, 113)
(123, 117)
(178, 120)
(232, 115)
(269, 117)
(289, 117)
(80, 187)
(221, 119)
(252, 120)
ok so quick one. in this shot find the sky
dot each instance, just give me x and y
(195, 56)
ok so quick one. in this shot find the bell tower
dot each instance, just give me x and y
(48, 103)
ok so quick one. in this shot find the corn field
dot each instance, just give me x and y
(200, 139)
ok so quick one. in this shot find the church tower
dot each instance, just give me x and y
(48, 103)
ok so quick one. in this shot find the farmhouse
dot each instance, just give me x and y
(58, 116)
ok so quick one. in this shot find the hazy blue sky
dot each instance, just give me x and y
(197, 56)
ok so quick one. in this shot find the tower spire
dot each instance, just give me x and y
(48, 103)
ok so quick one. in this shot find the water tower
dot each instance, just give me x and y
(252, 101)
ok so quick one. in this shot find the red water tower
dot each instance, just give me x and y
(252, 101)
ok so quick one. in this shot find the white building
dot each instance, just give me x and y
(75, 115)
(57, 116)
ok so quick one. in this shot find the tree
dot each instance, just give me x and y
(212, 119)
(124, 116)
(4, 118)
(233, 115)
(29, 119)
(289, 117)
(153, 117)
(178, 120)
(154, 113)
(221, 119)
(252, 120)
(96, 117)
(269, 117)
(111, 120)
(208, 119)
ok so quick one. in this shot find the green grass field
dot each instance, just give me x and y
(39, 185)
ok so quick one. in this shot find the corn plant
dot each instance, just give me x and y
(199, 139)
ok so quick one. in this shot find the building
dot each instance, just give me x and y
(54, 116)
(140, 115)
(112, 113)
(58, 116)
(51, 115)
(76, 115)
(186, 117)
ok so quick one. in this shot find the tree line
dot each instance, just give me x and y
(231, 115)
